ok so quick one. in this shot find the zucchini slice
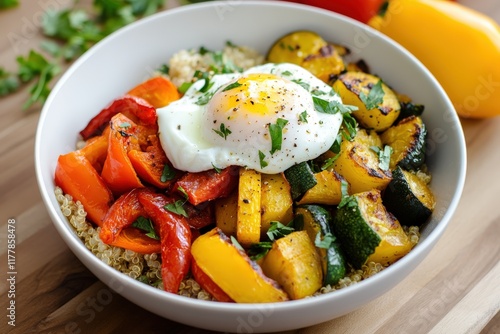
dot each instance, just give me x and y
(378, 105)
(311, 51)
(317, 221)
(407, 140)
(409, 198)
(301, 179)
(358, 163)
(368, 232)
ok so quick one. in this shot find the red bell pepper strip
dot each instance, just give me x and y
(207, 284)
(158, 91)
(131, 106)
(150, 165)
(122, 213)
(175, 236)
(96, 150)
(118, 172)
(208, 185)
(199, 216)
(76, 176)
(135, 240)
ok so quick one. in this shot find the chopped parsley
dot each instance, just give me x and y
(223, 131)
(278, 230)
(262, 156)
(347, 200)
(146, 225)
(384, 156)
(276, 132)
(236, 244)
(177, 207)
(303, 116)
(232, 86)
(167, 174)
(326, 242)
(374, 97)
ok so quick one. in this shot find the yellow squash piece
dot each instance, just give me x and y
(276, 201)
(327, 191)
(355, 87)
(233, 271)
(358, 163)
(249, 199)
(295, 264)
(226, 213)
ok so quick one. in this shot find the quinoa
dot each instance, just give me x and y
(184, 63)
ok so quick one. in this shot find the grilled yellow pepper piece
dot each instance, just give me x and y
(460, 46)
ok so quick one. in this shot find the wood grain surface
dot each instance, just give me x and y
(456, 289)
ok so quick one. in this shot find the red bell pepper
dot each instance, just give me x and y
(208, 185)
(361, 10)
(118, 172)
(149, 165)
(76, 176)
(133, 107)
(158, 91)
(175, 236)
(135, 240)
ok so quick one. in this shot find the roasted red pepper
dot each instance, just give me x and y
(118, 172)
(208, 185)
(133, 107)
(150, 164)
(76, 176)
(175, 236)
(158, 91)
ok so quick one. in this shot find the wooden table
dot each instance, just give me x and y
(455, 290)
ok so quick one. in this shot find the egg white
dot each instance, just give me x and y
(189, 129)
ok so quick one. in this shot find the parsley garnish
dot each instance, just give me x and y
(331, 107)
(232, 86)
(349, 126)
(223, 131)
(202, 100)
(303, 84)
(276, 132)
(125, 125)
(303, 116)
(236, 244)
(326, 242)
(374, 97)
(259, 250)
(8, 82)
(217, 169)
(8, 3)
(384, 156)
(167, 174)
(278, 230)
(177, 207)
(146, 225)
(262, 156)
(347, 200)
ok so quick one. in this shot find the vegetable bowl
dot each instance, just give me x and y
(134, 54)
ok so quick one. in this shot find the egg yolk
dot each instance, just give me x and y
(246, 107)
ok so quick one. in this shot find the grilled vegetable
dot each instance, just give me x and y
(368, 232)
(233, 271)
(301, 179)
(407, 140)
(326, 191)
(377, 104)
(294, 263)
(226, 213)
(248, 215)
(317, 222)
(409, 198)
(276, 200)
(358, 163)
(309, 50)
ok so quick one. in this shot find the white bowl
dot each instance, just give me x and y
(130, 55)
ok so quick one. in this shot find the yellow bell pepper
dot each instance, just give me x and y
(460, 46)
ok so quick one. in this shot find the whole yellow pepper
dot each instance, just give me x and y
(460, 46)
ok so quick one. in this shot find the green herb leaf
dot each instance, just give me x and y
(184, 87)
(8, 3)
(223, 131)
(349, 126)
(374, 97)
(204, 99)
(263, 163)
(8, 82)
(278, 230)
(232, 86)
(303, 116)
(217, 169)
(384, 156)
(146, 225)
(326, 242)
(236, 244)
(347, 200)
(303, 84)
(259, 250)
(183, 192)
(167, 174)
(177, 207)
(276, 132)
